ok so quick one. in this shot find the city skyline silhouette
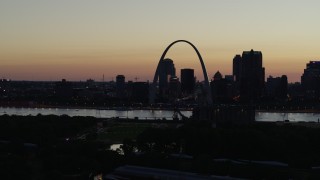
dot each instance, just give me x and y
(80, 40)
(171, 89)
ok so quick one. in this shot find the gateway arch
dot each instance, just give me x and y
(156, 75)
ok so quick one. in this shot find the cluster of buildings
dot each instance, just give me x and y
(246, 84)
(87, 93)
(170, 86)
(310, 80)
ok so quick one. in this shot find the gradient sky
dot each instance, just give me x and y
(81, 39)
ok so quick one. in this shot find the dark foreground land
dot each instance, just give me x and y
(62, 147)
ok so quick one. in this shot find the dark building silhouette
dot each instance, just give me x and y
(283, 89)
(140, 92)
(222, 88)
(251, 75)
(229, 77)
(218, 86)
(63, 89)
(295, 91)
(310, 80)
(237, 67)
(277, 87)
(120, 86)
(90, 83)
(231, 87)
(4, 87)
(174, 88)
(166, 70)
(187, 81)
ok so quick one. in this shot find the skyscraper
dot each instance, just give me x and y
(310, 80)
(174, 88)
(187, 81)
(218, 86)
(277, 87)
(237, 67)
(166, 70)
(251, 76)
(120, 86)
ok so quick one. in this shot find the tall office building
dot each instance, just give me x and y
(166, 70)
(218, 86)
(222, 89)
(120, 86)
(310, 80)
(277, 87)
(187, 81)
(237, 67)
(251, 76)
(174, 88)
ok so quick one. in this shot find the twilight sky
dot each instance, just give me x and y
(81, 39)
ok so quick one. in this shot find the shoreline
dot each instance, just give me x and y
(96, 108)
(120, 108)
(317, 111)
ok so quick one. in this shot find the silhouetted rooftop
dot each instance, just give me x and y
(252, 52)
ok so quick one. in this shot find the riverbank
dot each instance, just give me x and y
(119, 108)
(290, 111)
(64, 146)
(157, 107)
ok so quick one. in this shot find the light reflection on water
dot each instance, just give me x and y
(148, 114)
(292, 117)
(141, 114)
(114, 147)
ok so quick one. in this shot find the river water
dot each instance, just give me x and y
(148, 114)
(141, 114)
